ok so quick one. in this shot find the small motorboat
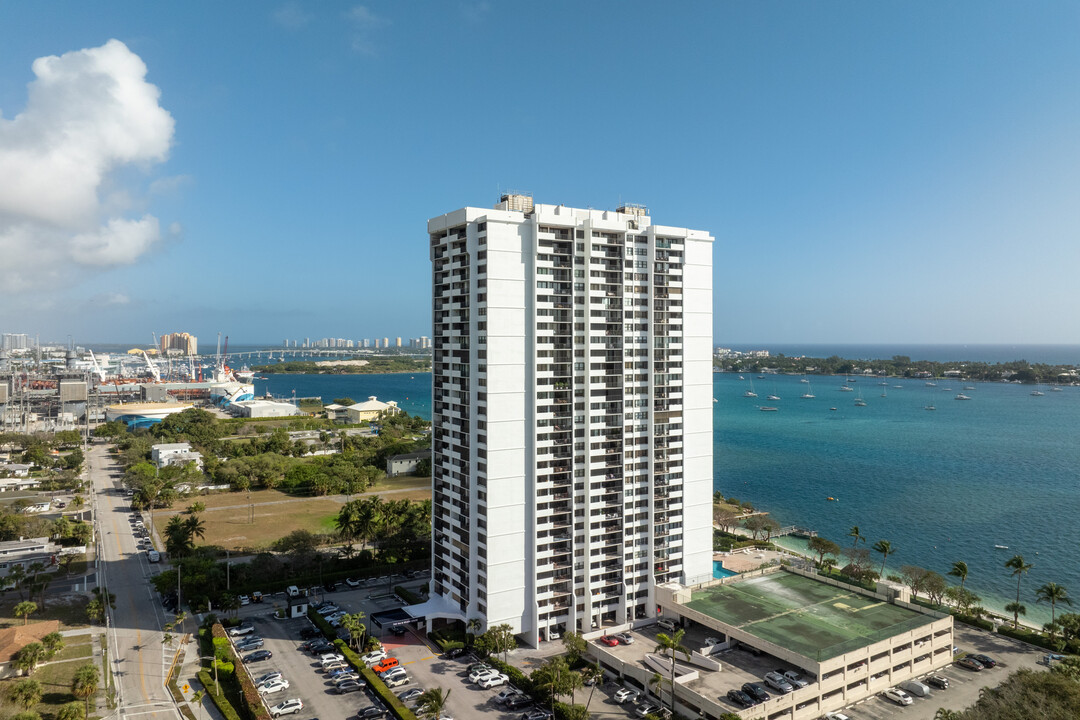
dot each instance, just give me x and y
(832, 499)
(1001, 547)
(765, 408)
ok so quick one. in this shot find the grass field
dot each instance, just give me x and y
(55, 679)
(69, 609)
(226, 519)
(811, 618)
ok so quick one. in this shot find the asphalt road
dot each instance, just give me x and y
(139, 660)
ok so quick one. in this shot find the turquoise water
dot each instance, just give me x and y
(941, 486)
(999, 469)
(719, 571)
(411, 390)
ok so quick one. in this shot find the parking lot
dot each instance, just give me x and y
(964, 685)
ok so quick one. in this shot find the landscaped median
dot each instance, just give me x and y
(245, 701)
(389, 699)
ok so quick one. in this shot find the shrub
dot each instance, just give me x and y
(982, 623)
(407, 595)
(448, 638)
(222, 703)
(255, 710)
(1028, 636)
(320, 622)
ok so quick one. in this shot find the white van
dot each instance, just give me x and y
(292, 591)
(153, 556)
(916, 688)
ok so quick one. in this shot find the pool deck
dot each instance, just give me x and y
(741, 561)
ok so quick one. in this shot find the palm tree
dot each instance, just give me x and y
(473, 625)
(27, 693)
(196, 528)
(85, 684)
(672, 644)
(1017, 609)
(24, 610)
(854, 533)
(1053, 594)
(70, 711)
(658, 681)
(1019, 569)
(828, 564)
(885, 548)
(960, 570)
(946, 714)
(432, 703)
(591, 675)
(28, 658)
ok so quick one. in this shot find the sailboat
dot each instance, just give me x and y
(1037, 392)
(750, 393)
(774, 396)
(859, 402)
(885, 390)
(809, 394)
(846, 388)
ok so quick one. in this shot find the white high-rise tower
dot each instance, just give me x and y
(572, 414)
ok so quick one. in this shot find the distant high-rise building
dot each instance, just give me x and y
(179, 343)
(15, 341)
(367, 342)
(376, 343)
(571, 414)
(399, 342)
(386, 342)
(425, 342)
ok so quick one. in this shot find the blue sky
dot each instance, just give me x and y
(872, 172)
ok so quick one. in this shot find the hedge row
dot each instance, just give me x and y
(389, 699)
(1028, 636)
(521, 681)
(320, 622)
(222, 703)
(407, 595)
(256, 710)
(981, 623)
(447, 638)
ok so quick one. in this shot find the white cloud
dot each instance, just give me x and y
(110, 298)
(291, 16)
(89, 113)
(364, 23)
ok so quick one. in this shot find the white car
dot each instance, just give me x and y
(241, 630)
(373, 657)
(837, 716)
(626, 695)
(490, 681)
(329, 657)
(275, 675)
(273, 686)
(290, 706)
(898, 696)
(477, 675)
(710, 641)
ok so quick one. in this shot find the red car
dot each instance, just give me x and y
(609, 640)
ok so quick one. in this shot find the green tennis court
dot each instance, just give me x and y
(812, 618)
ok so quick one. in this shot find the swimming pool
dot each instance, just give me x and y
(719, 571)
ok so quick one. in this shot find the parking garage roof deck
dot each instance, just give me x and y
(811, 618)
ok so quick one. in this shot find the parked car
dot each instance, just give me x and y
(477, 666)
(666, 624)
(258, 656)
(490, 681)
(327, 609)
(985, 660)
(349, 686)
(624, 637)
(506, 694)
(536, 715)
(713, 641)
(394, 674)
(478, 675)
(608, 640)
(646, 709)
(454, 653)
(397, 681)
(256, 597)
(239, 630)
(756, 691)
(385, 664)
(398, 630)
(353, 582)
(267, 677)
(915, 688)
(288, 707)
(245, 600)
(837, 716)
(250, 644)
(344, 675)
(310, 633)
(273, 686)
(939, 681)
(519, 701)
(626, 695)
(374, 711)
(740, 698)
(334, 665)
(330, 586)
(898, 696)
(411, 694)
(328, 657)
(795, 679)
(778, 682)
(373, 657)
(970, 663)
